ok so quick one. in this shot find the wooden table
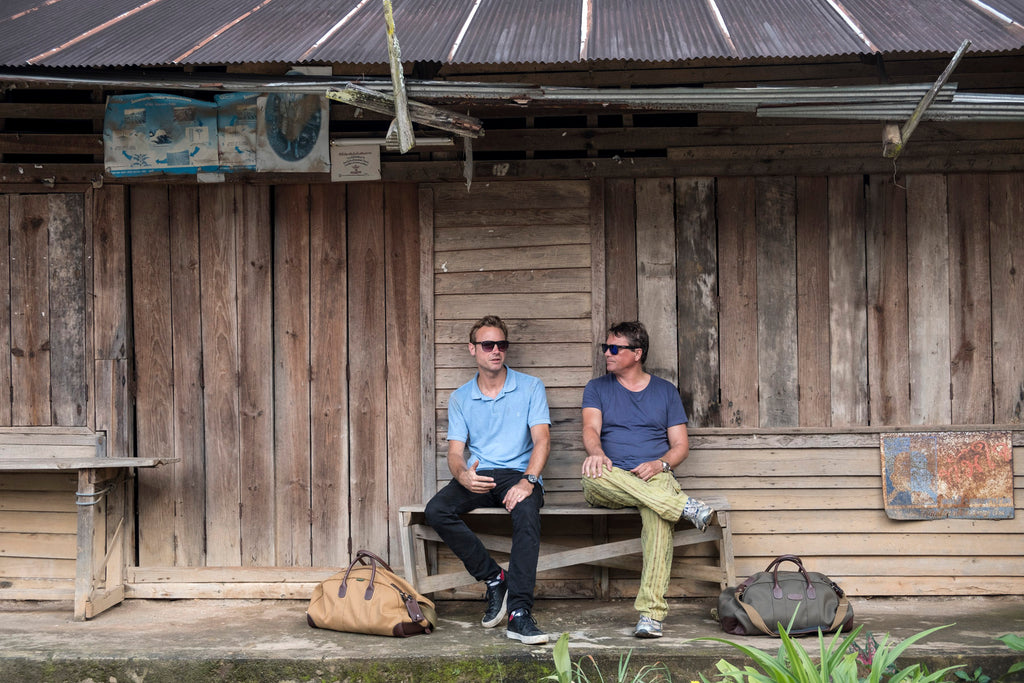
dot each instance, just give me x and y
(99, 561)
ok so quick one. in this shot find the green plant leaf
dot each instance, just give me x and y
(1012, 641)
(563, 664)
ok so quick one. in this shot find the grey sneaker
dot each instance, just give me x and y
(647, 628)
(523, 628)
(697, 513)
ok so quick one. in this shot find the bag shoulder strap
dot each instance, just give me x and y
(756, 619)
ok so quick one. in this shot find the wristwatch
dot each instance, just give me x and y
(665, 467)
(532, 478)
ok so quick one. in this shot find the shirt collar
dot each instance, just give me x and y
(510, 385)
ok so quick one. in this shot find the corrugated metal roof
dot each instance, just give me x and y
(147, 33)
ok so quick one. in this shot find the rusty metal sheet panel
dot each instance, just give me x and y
(787, 28)
(961, 475)
(512, 31)
(422, 35)
(655, 30)
(137, 33)
(927, 25)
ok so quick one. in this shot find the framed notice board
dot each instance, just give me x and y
(932, 475)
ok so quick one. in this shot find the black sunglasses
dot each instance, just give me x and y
(489, 345)
(615, 348)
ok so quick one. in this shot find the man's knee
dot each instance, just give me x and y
(436, 511)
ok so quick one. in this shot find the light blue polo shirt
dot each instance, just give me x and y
(497, 430)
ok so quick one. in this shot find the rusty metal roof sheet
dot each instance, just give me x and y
(148, 33)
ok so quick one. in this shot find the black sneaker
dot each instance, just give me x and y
(497, 599)
(523, 628)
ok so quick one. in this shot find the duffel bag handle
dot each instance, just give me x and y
(361, 557)
(774, 569)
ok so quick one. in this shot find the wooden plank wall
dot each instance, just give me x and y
(276, 342)
(63, 359)
(805, 316)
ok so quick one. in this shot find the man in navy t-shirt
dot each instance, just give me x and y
(634, 432)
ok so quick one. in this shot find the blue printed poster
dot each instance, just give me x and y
(148, 133)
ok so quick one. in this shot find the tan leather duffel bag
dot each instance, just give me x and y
(369, 597)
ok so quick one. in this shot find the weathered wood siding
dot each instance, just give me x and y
(277, 355)
(793, 308)
(63, 362)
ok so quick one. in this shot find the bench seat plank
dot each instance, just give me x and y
(416, 535)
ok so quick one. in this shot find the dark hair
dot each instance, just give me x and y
(636, 333)
(488, 321)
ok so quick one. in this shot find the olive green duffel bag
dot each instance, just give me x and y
(802, 602)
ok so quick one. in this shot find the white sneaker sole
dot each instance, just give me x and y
(529, 640)
(501, 614)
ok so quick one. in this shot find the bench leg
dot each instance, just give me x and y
(725, 553)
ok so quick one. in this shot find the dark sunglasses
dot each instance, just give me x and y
(615, 348)
(489, 345)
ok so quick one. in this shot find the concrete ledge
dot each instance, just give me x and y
(247, 640)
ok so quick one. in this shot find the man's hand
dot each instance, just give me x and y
(646, 470)
(517, 493)
(471, 481)
(596, 465)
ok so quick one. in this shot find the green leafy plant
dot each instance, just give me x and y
(567, 671)
(1014, 642)
(975, 677)
(837, 662)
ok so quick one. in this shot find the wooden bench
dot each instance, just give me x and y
(416, 538)
(100, 557)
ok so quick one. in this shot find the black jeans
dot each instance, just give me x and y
(443, 514)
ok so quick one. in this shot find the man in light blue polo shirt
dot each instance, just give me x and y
(502, 416)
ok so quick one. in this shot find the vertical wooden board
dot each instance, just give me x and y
(656, 274)
(970, 299)
(598, 274)
(186, 341)
(888, 334)
(367, 354)
(110, 272)
(778, 403)
(1006, 224)
(5, 309)
(813, 366)
(401, 241)
(68, 260)
(928, 299)
(697, 296)
(737, 286)
(30, 307)
(291, 375)
(113, 399)
(154, 402)
(620, 251)
(256, 375)
(217, 264)
(427, 335)
(328, 390)
(847, 299)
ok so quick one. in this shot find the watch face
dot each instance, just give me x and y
(530, 478)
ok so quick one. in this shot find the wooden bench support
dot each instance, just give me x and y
(416, 538)
(100, 559)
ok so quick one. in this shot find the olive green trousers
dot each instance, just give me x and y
(660, 502)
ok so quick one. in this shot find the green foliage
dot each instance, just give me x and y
(837, 663)
(567, 671)
(976, 677)
(1014, 642)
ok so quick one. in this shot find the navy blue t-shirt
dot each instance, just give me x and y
(634, 424)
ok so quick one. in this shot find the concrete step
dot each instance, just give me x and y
(268, 641)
